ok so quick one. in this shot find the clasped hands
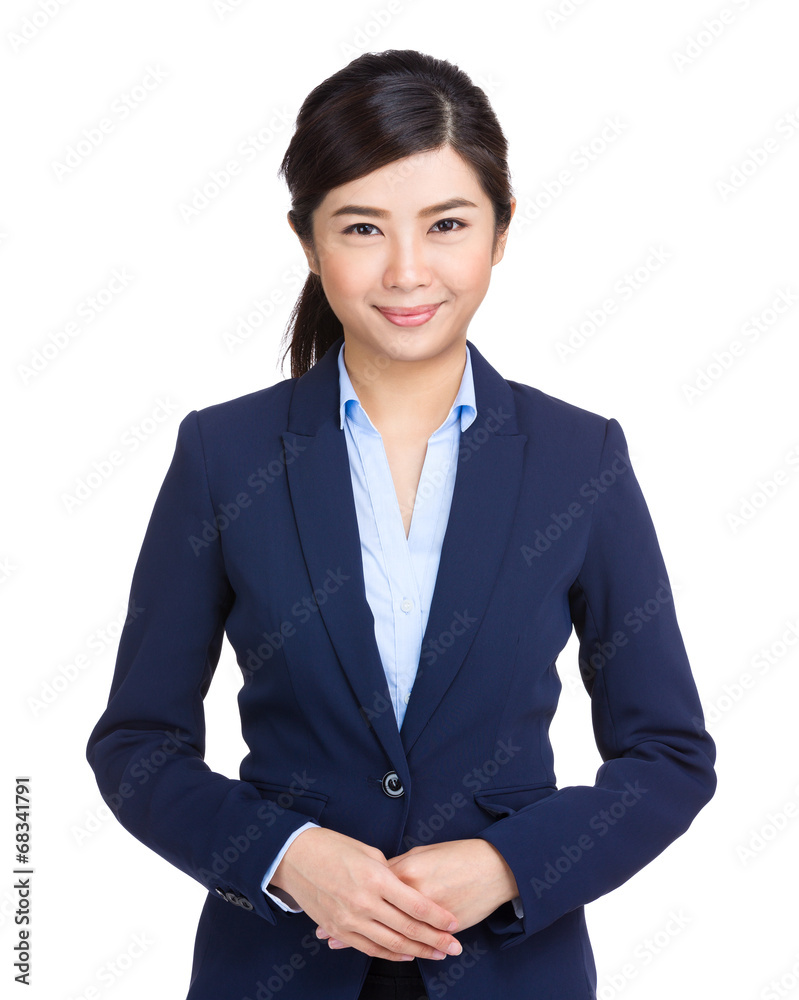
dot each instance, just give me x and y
(397, 908)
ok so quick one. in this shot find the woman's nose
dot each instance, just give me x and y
(407, 265)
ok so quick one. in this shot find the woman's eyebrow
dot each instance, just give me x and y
(381, 213)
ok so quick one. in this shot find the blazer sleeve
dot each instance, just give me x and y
(147, 749)
(582, 841)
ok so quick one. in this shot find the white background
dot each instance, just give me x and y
(699, 98)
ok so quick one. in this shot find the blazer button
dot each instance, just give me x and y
(392, 785)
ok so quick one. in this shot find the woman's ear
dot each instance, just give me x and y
(503, 239)
(310, 256)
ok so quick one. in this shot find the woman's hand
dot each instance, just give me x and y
(469, 878)
(350, 889)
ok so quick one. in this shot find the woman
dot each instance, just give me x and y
(397, 542)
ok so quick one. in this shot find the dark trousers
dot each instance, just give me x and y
(387, 980)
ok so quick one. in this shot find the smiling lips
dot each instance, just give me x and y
(413, 316)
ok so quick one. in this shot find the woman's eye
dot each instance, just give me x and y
(360, 225)
(449, 223)
(442, 226)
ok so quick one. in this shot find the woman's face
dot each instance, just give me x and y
(415, 233)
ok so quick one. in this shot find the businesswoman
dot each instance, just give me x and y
(397, 542)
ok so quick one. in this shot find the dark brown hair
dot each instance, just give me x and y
(381, 107)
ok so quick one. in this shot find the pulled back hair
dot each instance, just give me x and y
(379, 108)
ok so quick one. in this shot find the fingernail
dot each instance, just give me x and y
(438, 954)
(453, 925)
(455, 948)
(406, 958)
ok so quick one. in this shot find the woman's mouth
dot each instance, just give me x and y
(410, 316)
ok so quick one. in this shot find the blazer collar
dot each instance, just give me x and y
(487, 487)
(464, 397)
(316, 396)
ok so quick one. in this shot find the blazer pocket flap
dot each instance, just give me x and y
(301, 800)
(508, 800)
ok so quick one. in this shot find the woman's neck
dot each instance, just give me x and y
(406, 396)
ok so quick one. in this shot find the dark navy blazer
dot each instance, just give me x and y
(254, 535)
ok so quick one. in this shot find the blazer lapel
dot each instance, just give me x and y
(487, 485)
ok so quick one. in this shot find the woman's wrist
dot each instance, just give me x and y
(283, 875)
(507, 879)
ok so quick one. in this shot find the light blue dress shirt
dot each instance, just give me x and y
(399, 572)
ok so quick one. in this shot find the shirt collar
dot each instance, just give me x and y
(464, 404)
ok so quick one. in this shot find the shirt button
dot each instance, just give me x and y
(407, 698)
(406, 605)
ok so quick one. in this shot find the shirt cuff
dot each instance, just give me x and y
(272, 868)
